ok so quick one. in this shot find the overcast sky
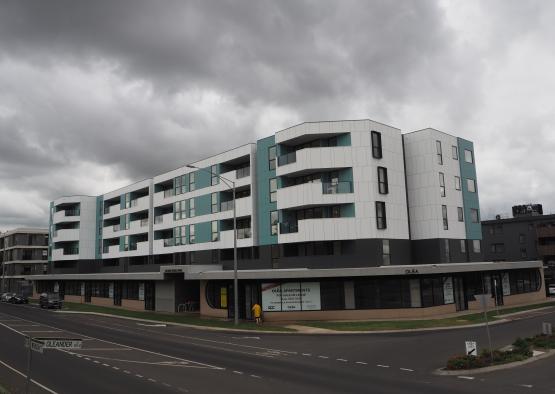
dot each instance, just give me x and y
(97, 94)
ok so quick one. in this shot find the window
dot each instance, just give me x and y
(179, 234)
(498, 248)
(192, 234)
(191, 181)
(476, 245)
(272, 157)
(463, 246)
(442, 184)
(460, 214)
(444, 216)
(177, 185)
(126, 242)
(381, 221)
(336, 211)
(214, 202)
(273, 190)
(383, 187)
(191, 207)
(522, 238)
(386, 256)
(179, 210)
(455, 152)
(216, 295)
(432, 291)
(184, 183)
(214, 230)
(523, 253)
(274, 219)
(457, 183)
(468, 156)
(376, 145)
(127, 200)
(215, 179)
(474, 216)
(471, 185)
(438, 153)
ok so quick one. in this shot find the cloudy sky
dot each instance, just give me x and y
(97, 94)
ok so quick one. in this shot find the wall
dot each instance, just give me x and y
(261, 182)
(471, 201)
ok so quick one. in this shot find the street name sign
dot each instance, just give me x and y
(471, 348)
(35, 346)
(61, 343)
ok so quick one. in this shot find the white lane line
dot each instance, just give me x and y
(25, 376)
(307, 354)
(40, 331)
(341, 359)
(407, 369)
(96, 362)
(324, 357)
(126, 371)
(528, 386)
(152, 380)
(167, 385)
(361, 363)
(116, 368)
(238, 372)
(256, 377)
(105, 365)
(466, 377)
(382, 366)
(88, 359)
(139, 376)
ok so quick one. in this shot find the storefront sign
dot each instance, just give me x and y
(310, 296)
(271, 297)
(291, 296)
(141, 291)
(448, 290)
(506, 284)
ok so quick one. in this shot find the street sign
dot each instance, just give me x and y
(547, 328)
(61, 343)
(35, 346)
(471, 348)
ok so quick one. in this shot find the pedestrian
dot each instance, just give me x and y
(257, 312)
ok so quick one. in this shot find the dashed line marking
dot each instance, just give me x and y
(341, 359)
(361, 363)
(96, 362)
(139, 376)
(466, 377)
(256, 377)
(167, 385)
(88, 359)
(324, 357)
(116, 368)
(382, 366)
(528, 386)
(238, 372)
(307, 354)
(105, 365)
(152, 380)
(407, 369)
(126, 371)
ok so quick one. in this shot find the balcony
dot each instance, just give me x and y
(288, 228)
(72, 212)
(325, 229)
(139, 204)
(244, 238)
(71, 215)
(112, 211)
(71, 253)
(138, 226)
(315, 159)
(66, 235)
(242, 172)
(287, 159)
(315, 193)
(163, 221)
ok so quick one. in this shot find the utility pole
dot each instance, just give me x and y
(485, 302)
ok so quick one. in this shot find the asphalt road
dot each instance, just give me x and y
(120, 356)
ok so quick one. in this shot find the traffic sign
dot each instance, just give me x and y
(471, 348)
(61, 343)
(35, 346)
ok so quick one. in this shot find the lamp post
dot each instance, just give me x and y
(235, 278)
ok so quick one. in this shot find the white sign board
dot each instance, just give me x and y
(141, 291)
(471, 348)
(61, 343)
(291, 296)
(82, 289)
(271, 297)
(35, 346)
(310, 296)
(448, 296)
(111, 290)
(506, 284)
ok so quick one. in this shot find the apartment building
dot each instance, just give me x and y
(345, 219)
(23, 251)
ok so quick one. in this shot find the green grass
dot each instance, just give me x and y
(170, 318)
(474, 318)
(3, 390)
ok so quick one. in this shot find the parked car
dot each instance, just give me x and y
(50, 300)
(551, 290)
(19, 299)
(4, 297)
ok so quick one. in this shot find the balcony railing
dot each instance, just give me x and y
(226, 206)
(287, 159)
(71, 251)
(242, 172)
(72, 212)
(243, 233)
(287, 228)
(169, 193)
(116, 227)
(134, 202)
(169, 242)
(106, 249)
(337, 187)
(159, 219)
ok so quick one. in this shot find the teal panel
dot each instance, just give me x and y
(203, 178)
(263, 204)
(346, 175)
(203, 232)
(344, 139)
(347, 211)
(122, 201)
(470, 200)
(121, 243)
(50, 226)
(203, 205)
(98, 227)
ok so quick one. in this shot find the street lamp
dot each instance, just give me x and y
(235, 279)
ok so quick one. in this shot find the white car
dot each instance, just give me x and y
(551, 290)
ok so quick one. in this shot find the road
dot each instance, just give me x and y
(127, 356)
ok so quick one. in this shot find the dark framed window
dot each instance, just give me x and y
(274, 221)
(444, 216)
(460, 214)
(214, 180)
(376, 145)
(455, 152)
(381, 220)
(439, 154)
(177, 185)
(442, 184)
(216, 294)
(214, 227)
(432, 291)
(273, 189)
(463, 245)
(214, 202)
(272, 157)
(468, 156)
(474, 215)
(335, 211)
(457, 183)
(383, 187)
(476, 247)
(192, 182)
(192, 234)
(386, 254)
(471, 185)
(191, 207)
(522, 238)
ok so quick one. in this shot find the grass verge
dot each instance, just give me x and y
(474, 318)
(170, 318)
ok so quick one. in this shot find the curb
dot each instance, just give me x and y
(476, 371)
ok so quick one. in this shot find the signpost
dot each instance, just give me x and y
(471, 348)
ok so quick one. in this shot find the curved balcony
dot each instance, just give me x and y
(66, 235)
(324, 229)
(68, 215)
(316, 193)
(312, 159)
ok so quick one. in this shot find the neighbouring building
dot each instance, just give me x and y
(344, 219)
(23, 251)
(528, 235)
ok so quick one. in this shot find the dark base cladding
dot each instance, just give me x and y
(435, 251)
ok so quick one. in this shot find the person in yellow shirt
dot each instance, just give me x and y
(257, 312)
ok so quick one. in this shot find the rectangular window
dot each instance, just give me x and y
(214, 230)
(383, 186)
(444, 216)
(523, 253)
(455, 152)
(192, 234)
(272, 157)
(476, 245)
(177, 185)
(386, 256)
(474, 215)
(468, 156)
(336, 211)
(177, 210)
(191, 181)
(274, 219)
(381, 221)
(460, 214)
(273, 189)
(126, 242)
(214, 180)
(522, 238)
(184, 183)
(463, 246)
(376, 145)
(191, 207)
(442, 184)
(439, 153)
(214, 201)
(127, 200)
(457, 183)
(471, 185)
(498, 248)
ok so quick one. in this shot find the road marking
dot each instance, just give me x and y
(25, 376)
(361, 363)
(96, 362)
(466, 377)
(167, 385)
(40, 331)
(151, 325)
(341, 359)
(238, 372)
(102, 349)
(139, 376)
(407, 369)
(256, 377)
(324, 357)
(116, 368)
(307, 354)
(528, 386)
(246, 338)
(105, 365)
(382, 366)
(88, 359)
(126, 371)
(152, 380)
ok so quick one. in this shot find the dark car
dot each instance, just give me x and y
(50, 300)
(19, 299)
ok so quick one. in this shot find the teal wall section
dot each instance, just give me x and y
(263, 204)
(98, 228)
(470, 200)
(50, 241)
(203, 205)
(344, 139)
(203, 232)
(202, 178)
